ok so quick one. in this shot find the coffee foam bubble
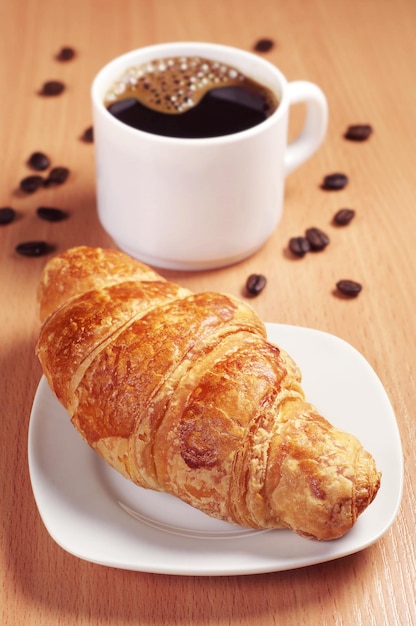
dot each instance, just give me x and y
(173, 85)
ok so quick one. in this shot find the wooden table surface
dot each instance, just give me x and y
(363, 55)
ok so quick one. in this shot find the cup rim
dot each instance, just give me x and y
(111, 70)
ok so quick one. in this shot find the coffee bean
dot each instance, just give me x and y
(29, 184)
(88, 135)
(7, 215)
(65, 54)
(255, 284)
(57, 176)
(264, 45)
(38, 161)
(343, 217)
(52, 88)
(299, 246)
(51, 214)
(334, 182)
(358, 132)
(34, 248)
(349, 288)
(318, 240)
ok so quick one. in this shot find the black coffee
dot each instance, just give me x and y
(189, 97)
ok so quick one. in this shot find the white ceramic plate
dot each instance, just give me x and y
(94, 513)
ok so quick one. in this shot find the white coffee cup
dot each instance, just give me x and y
(195, 204)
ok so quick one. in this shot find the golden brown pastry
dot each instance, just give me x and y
(182, 393)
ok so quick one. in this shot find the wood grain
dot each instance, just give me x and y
(363, 55)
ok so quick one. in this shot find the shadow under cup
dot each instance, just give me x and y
(196, 203)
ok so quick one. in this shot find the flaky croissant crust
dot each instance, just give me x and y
(182, 393)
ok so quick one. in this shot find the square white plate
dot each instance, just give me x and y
(94, 513)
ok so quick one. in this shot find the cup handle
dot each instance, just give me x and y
(315, 126)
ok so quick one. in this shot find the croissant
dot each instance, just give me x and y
(182, 393)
